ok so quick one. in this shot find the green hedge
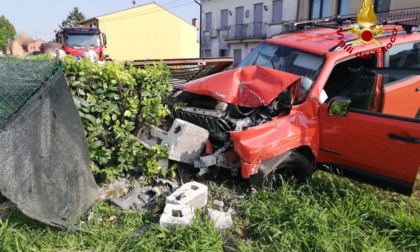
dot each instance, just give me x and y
(115, 102)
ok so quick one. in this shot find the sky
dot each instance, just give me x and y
(40, 18)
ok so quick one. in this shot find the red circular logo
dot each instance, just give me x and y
(367, 35)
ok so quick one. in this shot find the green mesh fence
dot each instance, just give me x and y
(20, 80)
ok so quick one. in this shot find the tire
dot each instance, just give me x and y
(295, 168)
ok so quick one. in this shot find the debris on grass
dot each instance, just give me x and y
(219, 204)
(222, 220)
(139, 198)
(119, 188)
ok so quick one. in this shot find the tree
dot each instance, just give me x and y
(7, 32)
(73, 19)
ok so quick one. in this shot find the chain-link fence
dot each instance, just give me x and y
(20, 80)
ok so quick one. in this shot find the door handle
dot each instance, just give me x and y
(405, 138)
(418, 89)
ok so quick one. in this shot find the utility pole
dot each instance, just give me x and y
(201, 26)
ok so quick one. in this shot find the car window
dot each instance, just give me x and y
(288, 60)
(401, 56)
(348, 79)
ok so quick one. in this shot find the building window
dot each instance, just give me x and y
(209, 17)
(223, 53)
(207, 53)
(320, 9)
(277, 11)
(225, 19)
(237, 57)
(343, 7)
(382, 6)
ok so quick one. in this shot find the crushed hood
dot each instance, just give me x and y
(251, 86)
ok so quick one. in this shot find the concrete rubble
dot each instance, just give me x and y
(119, 188)
(219, 204)
(185, 141)
(222, 220)
(180, 205)
(139, 198)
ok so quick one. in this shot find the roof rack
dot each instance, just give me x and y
(407, 27)
(334, 21)
(329, 22)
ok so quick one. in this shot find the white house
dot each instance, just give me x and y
(235, 27)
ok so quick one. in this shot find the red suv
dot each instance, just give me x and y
(312, 98)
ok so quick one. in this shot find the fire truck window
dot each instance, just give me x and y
(346, 79)
(402, 56)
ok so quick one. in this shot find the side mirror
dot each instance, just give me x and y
(104, 39)
(339, 106)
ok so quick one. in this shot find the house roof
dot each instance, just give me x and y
(139, 6)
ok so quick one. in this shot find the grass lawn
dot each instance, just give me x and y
(327, 214)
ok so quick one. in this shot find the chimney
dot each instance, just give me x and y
(194, 22)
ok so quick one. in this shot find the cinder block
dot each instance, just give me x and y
(221, 220)
(174, 215)
(190, 194)
(185, 141)
(152, 136)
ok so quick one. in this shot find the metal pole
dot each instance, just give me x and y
(201, 25)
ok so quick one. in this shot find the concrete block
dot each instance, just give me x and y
(185, 141)
(174, 215)
(221, 220)
(152, 136)
(190, 194)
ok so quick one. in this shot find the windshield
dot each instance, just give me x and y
(80, 40)
(288, 60)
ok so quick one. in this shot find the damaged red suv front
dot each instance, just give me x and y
(254, 113)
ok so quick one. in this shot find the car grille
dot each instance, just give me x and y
(209, 120)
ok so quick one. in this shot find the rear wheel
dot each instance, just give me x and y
(295, 167)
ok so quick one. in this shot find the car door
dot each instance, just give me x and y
(368, 145)
(402, 91)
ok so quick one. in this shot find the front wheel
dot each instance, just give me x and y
(296, 167)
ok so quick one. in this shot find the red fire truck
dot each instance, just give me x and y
(74, 41)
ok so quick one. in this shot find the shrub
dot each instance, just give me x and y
(115, 102)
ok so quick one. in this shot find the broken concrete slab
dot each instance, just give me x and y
(185, 141)
(191, 194)
(221, 220)
(174, 215)
(139, 198)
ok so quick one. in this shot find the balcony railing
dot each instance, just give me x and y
(249, 31)
(392, 15)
